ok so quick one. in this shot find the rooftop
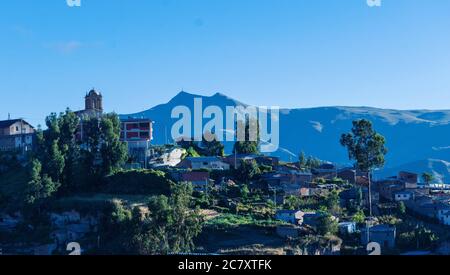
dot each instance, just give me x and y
(131, 119)
(288, 211)
(93, 92)
(7, 123)
(203, 159)
(195, 176)
(381, 228)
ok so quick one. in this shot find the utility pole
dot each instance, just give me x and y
(369, 221)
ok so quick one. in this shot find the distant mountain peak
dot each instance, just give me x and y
(183, 93)
(218, 98)
(219, 94)
(411, 135)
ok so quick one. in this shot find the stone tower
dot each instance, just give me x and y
(94, 102)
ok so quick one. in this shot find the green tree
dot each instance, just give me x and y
(247, 171)
(247, 146)
(56, 163)
(327, 224)
(34, 186)
(211, 145)
(90, 152)
(115, 228)
(40, 187)
(244, 192)
(68, 125)
(302, 160)
(427, 178)
(57, 149)
(53, 131)
(332, 201)
(191, 152)
(8, 161)
(71, 163)
(291, 203)
(359, 217)
(113, 151)
(419, 238)
(425, 238)
(170, 226)
(102, 150)
(401, 208)
(366, 147)
(312, 162)
(48, 151)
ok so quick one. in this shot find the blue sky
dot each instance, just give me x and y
(291, 53)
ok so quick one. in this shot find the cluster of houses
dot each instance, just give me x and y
(299, 221)
(286, 179)
(425, 201)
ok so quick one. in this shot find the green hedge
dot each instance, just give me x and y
(137, 182)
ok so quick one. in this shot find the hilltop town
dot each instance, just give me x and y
(95, 179)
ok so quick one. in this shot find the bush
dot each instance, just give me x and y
(137, 182)
(231, 221)
(389, 219)
(359, 217)
(327, 225)
(8, 161)
(191, 152)
(420, 238)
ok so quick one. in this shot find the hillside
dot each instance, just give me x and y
(412, 135)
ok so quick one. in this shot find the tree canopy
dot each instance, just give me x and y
(365, 145)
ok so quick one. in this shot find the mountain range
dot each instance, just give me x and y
(418, 140)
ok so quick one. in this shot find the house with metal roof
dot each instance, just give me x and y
(16, 135)
(209, 163)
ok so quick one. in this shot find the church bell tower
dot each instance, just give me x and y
(94, 101)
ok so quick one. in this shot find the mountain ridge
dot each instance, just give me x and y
(412, 135)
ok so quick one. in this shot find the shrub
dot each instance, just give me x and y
(137, 182)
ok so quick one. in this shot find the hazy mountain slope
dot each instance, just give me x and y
(412, 135)
(439, 168)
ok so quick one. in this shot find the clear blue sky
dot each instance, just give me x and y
(291, 53)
